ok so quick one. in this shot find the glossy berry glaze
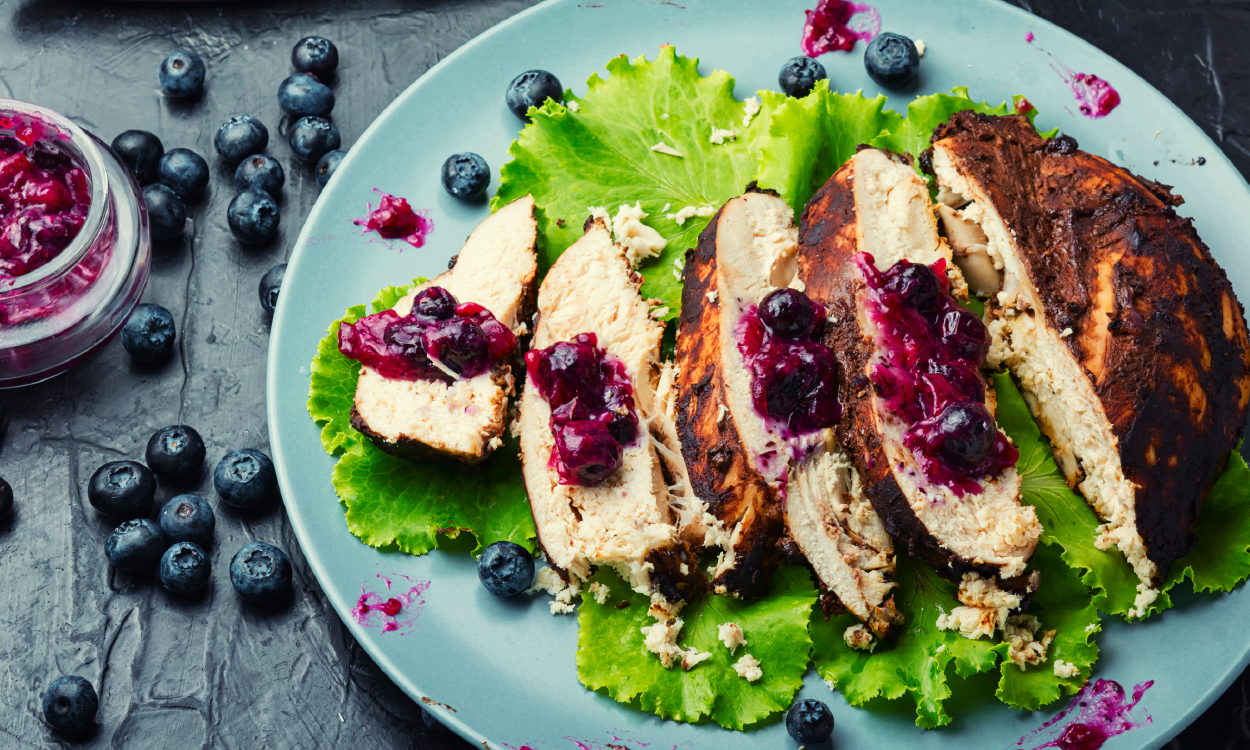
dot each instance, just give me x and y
(928, 373)
(1102, 712)
(440, 339)
(44, 200)
(394, 219)
(837, 25)
(396, 611)
(593, 417)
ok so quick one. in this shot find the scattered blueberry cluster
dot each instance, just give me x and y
(168, 179)
(892, 60)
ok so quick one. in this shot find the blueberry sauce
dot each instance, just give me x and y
(1094, 96)
(1029, 37)
(439, 339)
(394, 219)
(44, 201)
(593, 417)
(837, 25)
(373, 606)
(1102, 713)
(929, 373)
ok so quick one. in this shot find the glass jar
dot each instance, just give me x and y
(54, 316)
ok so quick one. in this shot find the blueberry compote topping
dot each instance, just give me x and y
(394, 219)
(929, 373)
(592, 407)
(464, 338)
(44, 198)
(793, 376)
(837, 25)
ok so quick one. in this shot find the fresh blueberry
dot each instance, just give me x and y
(809, 722)
(313, 137)
(135, 546)
(260, 172)
(141, 152)
(301, 94)
(167, 216)
(253, 217)
(6, 500)
(788, 313)
(245, 479)
(531, 89)
(799, 76)
(316, 55)
(466, 176)
(327, 164)
(270, 285)
(182, 74)
(185, 568)
(240, 137)
(892, 60)
(122, 489)
(261, 572)
(188, 518)
(176, 453)
(149, 334)
(70, 705)
(185, 171)
(506, 569)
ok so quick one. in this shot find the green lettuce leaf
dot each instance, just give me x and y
(611, 656)
(1221, 559)
(925, 113)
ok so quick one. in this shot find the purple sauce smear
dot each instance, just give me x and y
(394, 219)
(374, 606)
(1095, 97)
(44, 201)
(1102, 713)
(837, 25)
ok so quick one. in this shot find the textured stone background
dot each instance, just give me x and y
(214, 673)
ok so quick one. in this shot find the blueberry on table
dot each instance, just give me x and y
(506, 569)
(270, 285)
(6, 500)
(122, 489)
(184, 171)
(240, 137)
(261, 572)
(466, 176)
(316, 55)
(531, 89)
(182, 74)
(253, 217)
(70, 705)
(260, 172)
(313, 137)
(809, 722)
(188, 518)
(149, 334)
(135, 546)
(141, 152)
(185, 568)
(892, 60)
(799, 76)
(327, 164)
(176, 453)
(302, 94)
(245, 479)
(167, 216)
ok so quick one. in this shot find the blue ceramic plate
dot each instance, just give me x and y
(507, 668)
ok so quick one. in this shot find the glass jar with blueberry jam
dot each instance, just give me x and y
(74, 245)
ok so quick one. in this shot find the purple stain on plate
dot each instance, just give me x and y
(1101, 713)
(394, 219)
(391, 609)
(1095, 97)
(1029, 37)
(837, 25)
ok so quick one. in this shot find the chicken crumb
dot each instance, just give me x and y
(719, 135)
(1065, 670)
(664, 148)
(748, 668)
(574, 107)
(750, 108)
(711, 296)
(598, 591)
(860, 638)
(920, 46)
(730, 634)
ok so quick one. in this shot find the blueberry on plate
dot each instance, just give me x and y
(261, 572)
(301, 94)
(316, 55)
(184, 171)
(327, 164)
(70, 705)
(188, 518)
(253, 217)
(506, 569)
(892, 60)
(260, 172)
(176, 453)
(799, 76)
(313, 137)
(6, 500)
(141, 152)
(270, 285)
(149, 334)
(185, 568)
(122, 489)
(135, 546)
(531, 89)
(167, 216)
(182, 74)
(809, 722)
(245, 479)
(240, 137)
(466, 176)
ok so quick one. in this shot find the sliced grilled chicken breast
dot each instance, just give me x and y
(465, 419)
(1124, 333)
